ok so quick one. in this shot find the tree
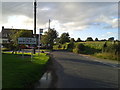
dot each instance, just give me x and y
(111, 39)
(72, 40)
(14, 46)
(89, 39)
(64, 38)
(78, 40)
(56, 41)
(96, 39)
(49, 37)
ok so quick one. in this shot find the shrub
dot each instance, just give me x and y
(113, 48)
(70, 46)
(79, 48)
(76, 50)
(59, 46)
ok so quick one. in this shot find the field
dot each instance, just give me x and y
(94, 48)
(21, 72)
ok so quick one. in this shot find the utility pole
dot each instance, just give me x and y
(49, 25)
(34, 22)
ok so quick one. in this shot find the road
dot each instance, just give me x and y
(78, 71)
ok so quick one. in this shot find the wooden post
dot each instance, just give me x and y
(35, 22)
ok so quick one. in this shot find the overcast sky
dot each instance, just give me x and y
(80, 19)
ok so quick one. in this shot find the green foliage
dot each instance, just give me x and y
(19, 72)
(45, 40)
(78, 40)
(72, 40)
(96, 39)
(111, 39)
(105, 55)
(24, 33)
(64, 38)
(76, 50)
(101, 49)
(79, 48)
(14, 38)
(62, 46)
(49, 37)
(55, 47)
(56, 41)
(112, 48)
(89, 39)
(68, 46)
(59, 46)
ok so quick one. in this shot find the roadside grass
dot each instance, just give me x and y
(21, 72)
(109, 56)
(5, 49)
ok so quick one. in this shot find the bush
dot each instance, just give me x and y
(70, 46)
(113, 48)
(76, 50)
(79, 48)
(59, 46)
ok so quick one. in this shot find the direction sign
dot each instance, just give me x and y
(25, 40)
(41, 31)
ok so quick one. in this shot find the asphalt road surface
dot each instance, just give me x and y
(78, 71)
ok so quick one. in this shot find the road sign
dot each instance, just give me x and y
(41, 31)
(25, 40)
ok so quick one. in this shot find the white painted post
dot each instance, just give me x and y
(32, 54)
(23, 53)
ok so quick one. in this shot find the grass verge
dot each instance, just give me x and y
(109, 56)
(22, 73)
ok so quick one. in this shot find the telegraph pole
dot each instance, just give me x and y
(49, 25)
(35, 4)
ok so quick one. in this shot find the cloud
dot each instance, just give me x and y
(65, 16)
(45, 9)
(108, 21)
(110, 34)
(19, 21)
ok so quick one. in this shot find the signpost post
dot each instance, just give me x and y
(40, 31)
(32, 53)
(23, 53)
(22, 47)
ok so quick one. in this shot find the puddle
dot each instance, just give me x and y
(45, 81)
(49, 78)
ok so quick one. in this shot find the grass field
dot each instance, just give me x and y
(94, 48)
(21, 72)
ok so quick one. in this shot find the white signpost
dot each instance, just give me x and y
(40, 31)
(26, 40)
